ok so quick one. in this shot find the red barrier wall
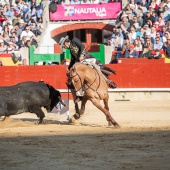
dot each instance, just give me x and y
(134, 74)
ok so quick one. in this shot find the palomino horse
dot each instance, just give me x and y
(90, 84)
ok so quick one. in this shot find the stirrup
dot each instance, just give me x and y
(111, 84)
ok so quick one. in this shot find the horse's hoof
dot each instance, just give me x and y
(72, 120)
(76, 116)
(116, 125)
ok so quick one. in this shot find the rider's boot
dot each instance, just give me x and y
(111, 84)
(104, 67)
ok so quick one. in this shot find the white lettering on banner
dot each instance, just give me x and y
(101, 12)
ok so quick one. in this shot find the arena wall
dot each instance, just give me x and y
(131, 73)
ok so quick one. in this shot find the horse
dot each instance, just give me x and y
(89, 83)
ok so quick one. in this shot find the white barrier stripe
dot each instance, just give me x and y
(129, 90)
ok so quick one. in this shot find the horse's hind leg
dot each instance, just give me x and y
(105, 101)
(106, 112)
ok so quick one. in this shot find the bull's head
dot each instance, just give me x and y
(55, 97)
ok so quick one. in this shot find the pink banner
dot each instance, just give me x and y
(86, 12)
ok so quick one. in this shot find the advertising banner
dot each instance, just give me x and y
(86, 12)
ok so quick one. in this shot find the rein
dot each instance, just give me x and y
(88, 86)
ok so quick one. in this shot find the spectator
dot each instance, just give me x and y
(135, 22)
(85, 2)
(146, 28)
(157, 55)
(34, 28)
(131, 53)
(158, 35)
(2, 47)
(39, 13)
(148, 36)
(28, 43)
(126, 44)
(138, 46)
(75, 2)
(161, 21)
(166, 47)
(147, 48)
(132, 34)
(158, 45)
(22, 42)
(27, 33)
(115, 42)
(148, 16)
(21, 24)
(124, 24)
(158, 28)
(16, 20)
(17, 30)
(153, 32)
(166, 13)
(53, 6)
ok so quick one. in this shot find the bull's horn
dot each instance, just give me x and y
(61, 101)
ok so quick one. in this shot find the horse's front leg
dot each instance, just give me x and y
(83, 103)
(109, 118)
(76, 106)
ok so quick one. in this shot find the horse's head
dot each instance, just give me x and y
(77, 79)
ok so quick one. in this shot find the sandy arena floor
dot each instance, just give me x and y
(142, 142)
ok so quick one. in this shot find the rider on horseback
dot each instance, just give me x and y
(78, 54)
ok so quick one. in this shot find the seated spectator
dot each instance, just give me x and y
(135, 22)
(53, 6)
(2, 47)
(147, 48)
(157, 55)
(140, 19)
(39, 14)
(148, 16)
(27, 33)
(132, 34)
(138, 46)
(158, 45)
(5, 37)
(161, 21)
(16, 20)
(28, 43)
(95, 1)
(17, 30)
(153, 32)
(158, 35)
(34, 28)
(124, 24)
(126, 44)
(148, 36)
(166, 13)
(115, 42)
(131, 53)
(21, 24)
(21, 43)
(75, 2)
(146, 28)
(157, 27)
(85, 2)
(166, 47)
(11, 48)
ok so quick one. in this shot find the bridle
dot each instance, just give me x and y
(89, 86)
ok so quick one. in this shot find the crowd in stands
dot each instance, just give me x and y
(142, 30)
(20, 24)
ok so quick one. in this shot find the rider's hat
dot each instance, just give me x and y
(62, 40)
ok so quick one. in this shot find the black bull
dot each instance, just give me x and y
(28, 97)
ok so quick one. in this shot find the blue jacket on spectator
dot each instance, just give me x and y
(134, 54)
